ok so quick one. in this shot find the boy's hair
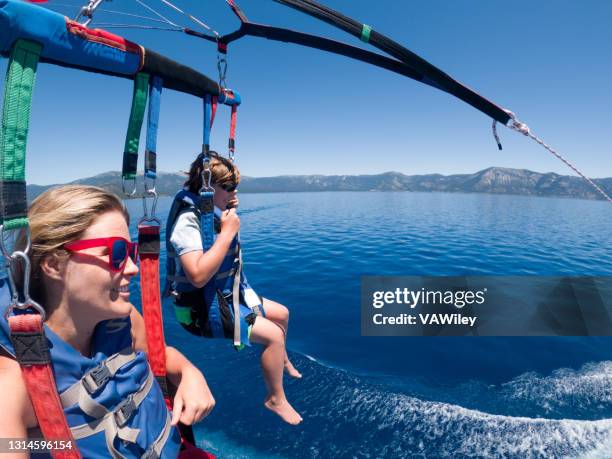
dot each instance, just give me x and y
(223, 171)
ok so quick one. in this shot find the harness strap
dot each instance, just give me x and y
(152, 125)
(228, 273)
(32, 353)
(114, 423)
(95, 379)
(213, 109)
(232, 136)
(149, 248)
(208, 119)
(148, 244)
(236, 298)
(18, 89)
(132, 138)
(207, 230)
(154, 451)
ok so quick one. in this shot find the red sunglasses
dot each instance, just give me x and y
(119, 249)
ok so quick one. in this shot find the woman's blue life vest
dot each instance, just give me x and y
(210, 311)
(112, 401)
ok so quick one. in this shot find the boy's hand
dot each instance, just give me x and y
(230, 222)
(233, 203)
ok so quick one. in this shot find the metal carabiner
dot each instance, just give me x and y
(149, 217)
(27, 302)
(146, 185)
(133, 192)
(207, 180)
(88, 11)
(222, 69)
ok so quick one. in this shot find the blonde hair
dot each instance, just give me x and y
(59, 216)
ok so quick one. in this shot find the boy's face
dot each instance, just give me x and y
(225, 199)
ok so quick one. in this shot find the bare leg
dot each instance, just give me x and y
(279, 314)
(272, 360)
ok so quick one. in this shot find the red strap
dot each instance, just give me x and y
(35, 360)
(213, 110)
(232, 135)
(151, 304)
(222, 47)
(148, 237)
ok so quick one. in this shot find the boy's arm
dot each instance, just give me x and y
(200, 266)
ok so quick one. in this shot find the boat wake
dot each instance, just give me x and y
(352, 416)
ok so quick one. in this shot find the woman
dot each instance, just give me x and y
(82, 263)
(265, 320)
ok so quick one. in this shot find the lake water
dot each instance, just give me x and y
(408, 396)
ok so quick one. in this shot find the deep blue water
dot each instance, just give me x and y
(409, 396)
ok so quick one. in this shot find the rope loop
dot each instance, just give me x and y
(518, 126)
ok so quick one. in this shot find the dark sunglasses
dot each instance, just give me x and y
(229, 187)
(119, 249)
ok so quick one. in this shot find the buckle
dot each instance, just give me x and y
(124, 411)
(96, 378)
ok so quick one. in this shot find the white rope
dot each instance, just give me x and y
(524, 129)
(156, 13)
(121, 13)
(110, 25)
(193, 18)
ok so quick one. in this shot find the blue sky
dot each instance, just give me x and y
(310, 112)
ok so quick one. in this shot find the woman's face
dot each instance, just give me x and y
(223, 198)
(91, 288)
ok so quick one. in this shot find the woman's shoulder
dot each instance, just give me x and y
(16, 411)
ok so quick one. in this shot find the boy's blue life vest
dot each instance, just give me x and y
(224, 294)
(112, 402)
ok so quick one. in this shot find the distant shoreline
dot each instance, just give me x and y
(493, 180)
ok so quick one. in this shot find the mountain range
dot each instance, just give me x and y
(496, 180)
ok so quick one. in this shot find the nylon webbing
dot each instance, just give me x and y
(207, 229)
(208, 120)
(151, 299)
(213, 112)
(132, 139)
(18, 89)
(149, 244)
(152, 126)
(32, 353)
(232, 136)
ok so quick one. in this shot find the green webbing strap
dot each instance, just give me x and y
(18, 88)
(365, 33)
(132, 139)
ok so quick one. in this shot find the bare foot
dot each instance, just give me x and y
(291, 371)
(283, 409)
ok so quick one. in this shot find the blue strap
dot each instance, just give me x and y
(207, 230)
(229, 97)
(152, 125)
(207, 117)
